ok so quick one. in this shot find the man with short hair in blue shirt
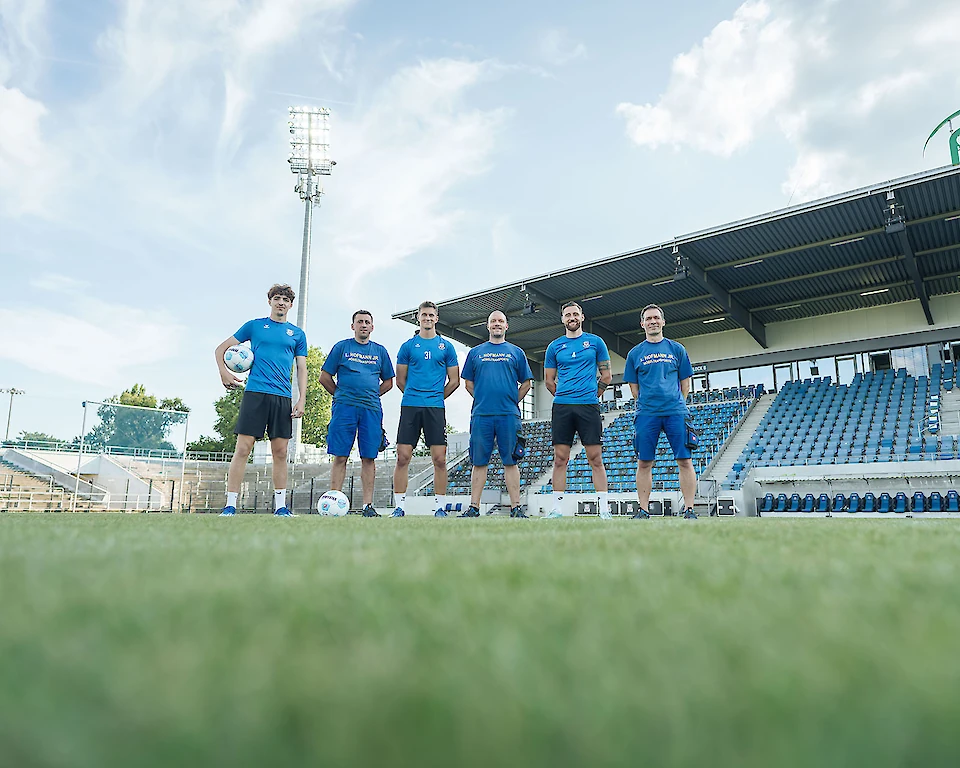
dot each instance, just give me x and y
(497, 376)
(576, 370)
(427, 374)
(267, 398)
(659, 373)
(364, 374)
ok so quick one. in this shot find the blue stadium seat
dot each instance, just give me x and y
(767, 505)
(823, 504)
(935, 502)
(808, 503)
(794, 505)
(953, 501)
(884, 504)
(869, 503)
(918, 504)
(839, 503)
(781, 503)
(900, 503)
(854, 504)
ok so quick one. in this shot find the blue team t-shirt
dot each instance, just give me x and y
(274, 346)
(359, 369)
(576, 362)
(657, 368)
(496, 370)
(427, 361)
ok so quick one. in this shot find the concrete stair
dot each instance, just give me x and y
(725, 460)
(950, 412)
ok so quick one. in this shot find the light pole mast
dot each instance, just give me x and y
(309, 159)
(12, 391)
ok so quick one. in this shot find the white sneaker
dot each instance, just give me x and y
(553, 514)
(605, 514)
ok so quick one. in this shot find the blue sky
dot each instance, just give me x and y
(146, 203)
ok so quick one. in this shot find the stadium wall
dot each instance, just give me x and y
(874, 328)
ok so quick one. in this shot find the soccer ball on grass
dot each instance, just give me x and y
(333, 504)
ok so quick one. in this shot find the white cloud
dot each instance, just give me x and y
(27, 163)
(839, 82)
(720, 90)
(85, 339)
(556, 47)
(400, 159)
(27, 167)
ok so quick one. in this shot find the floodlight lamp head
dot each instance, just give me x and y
(895, 219)
(680, 268)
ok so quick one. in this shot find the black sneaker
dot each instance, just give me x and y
(369, 511)
(689, 514)
(517, 512)
(472, 511)
(642, 514)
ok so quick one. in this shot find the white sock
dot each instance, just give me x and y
(279, 499)
(232, 499)
(436, 501)
(557, 498)
(604, 501)
(401, 500)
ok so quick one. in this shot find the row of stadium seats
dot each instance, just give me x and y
(716, 415)
(539, 456)
(854, 503)
(883, 416)
(715, 421)
(746, 392)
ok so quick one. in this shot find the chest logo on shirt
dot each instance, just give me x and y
(266, 327)
(586, 345)
(441, 345)
(289, 331)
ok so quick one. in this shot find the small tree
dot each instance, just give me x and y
(319, 402)
(133, 427)
(228, 408)
(37, 437)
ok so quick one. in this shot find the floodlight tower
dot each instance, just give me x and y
(309, 150)
(11, 391)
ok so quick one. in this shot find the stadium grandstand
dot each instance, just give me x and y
(825, 340)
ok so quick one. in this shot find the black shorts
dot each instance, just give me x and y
(584, 420)
(261, 412)
(414, 419)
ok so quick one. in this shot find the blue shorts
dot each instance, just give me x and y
(648, 428)
(349, 423)
(484, 430)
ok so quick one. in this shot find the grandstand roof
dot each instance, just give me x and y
(804, 261)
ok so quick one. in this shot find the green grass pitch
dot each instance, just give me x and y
(136, 640)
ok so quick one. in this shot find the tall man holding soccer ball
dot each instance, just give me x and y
(267, 404)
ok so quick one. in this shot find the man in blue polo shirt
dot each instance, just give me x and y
(658, 371)
(497, 376)
(364, 374)
(576, 370)
(427, 374)
(267, 398)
